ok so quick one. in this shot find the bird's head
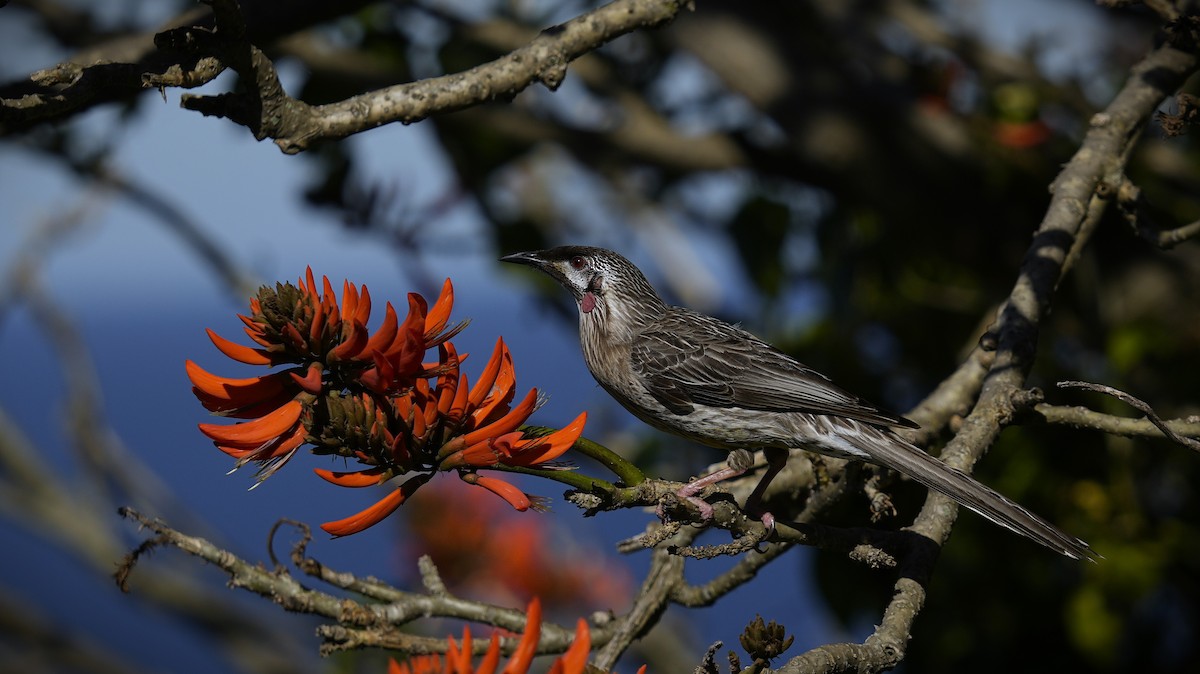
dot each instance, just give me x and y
(603, 283)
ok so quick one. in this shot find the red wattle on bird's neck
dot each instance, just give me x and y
(588, 303)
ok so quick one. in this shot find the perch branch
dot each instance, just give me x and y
(295, 126)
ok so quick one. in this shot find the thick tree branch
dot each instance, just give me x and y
(192, 56)
(127, 65)
(295, 125)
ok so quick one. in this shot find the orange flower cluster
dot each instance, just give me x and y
(371, 397)
(458, 660)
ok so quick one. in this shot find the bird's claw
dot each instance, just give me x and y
(768, 521)
(882, 506)
(881, 502)
(672, 501)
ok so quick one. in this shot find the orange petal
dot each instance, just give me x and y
(458, 408)
(439, 313)
(349, 300)
(527, 648)
(383, 337)
(533, 451)
(274, 456)
(285, 445)
(495, 404)
(515, 497)
(308, 283)
(508, 423)
(414, 325)
(419, 664)
(294, 336)
(316, 329)
(362, 313)
(250, 324)
(243, 410)
(277, 447)
(398, 445)
(237, 452)
(312, 381)
(417, 422)
(360, 478)
(447, 382)
(400, 364)
(574, 661)
(486, 452)
(352, 345)
(238, 352)
(492, 657)
(436, 331)
(243, 391)
(404, 408)
(488, 377)
(372, 379)
(254, 332)
(327, 292)
(377, 512)
(431, 402)
(459, 660)
(258, 431)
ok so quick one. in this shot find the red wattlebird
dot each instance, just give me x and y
(700, 378)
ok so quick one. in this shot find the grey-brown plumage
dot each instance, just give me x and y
(698, 377)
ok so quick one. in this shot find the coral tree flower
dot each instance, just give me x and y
(458, 659)
(458, 528)
(370, 397)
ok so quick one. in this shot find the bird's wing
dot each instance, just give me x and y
(689, 359)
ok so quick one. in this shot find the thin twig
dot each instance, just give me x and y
(744, 571)
(1168, 428)
(1133, 207)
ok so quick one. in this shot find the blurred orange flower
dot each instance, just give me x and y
(371, 397)
(458, 660)
(456, 529)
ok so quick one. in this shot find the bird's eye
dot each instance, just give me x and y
(578, 262)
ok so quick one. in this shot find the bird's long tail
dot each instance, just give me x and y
(977, 496)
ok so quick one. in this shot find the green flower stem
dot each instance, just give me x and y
(568, 477)
(628, 473)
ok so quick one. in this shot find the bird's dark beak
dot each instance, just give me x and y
(537, 259)
(532, 258)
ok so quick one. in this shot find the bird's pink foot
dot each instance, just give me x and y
(689, 491)
(768, 521)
